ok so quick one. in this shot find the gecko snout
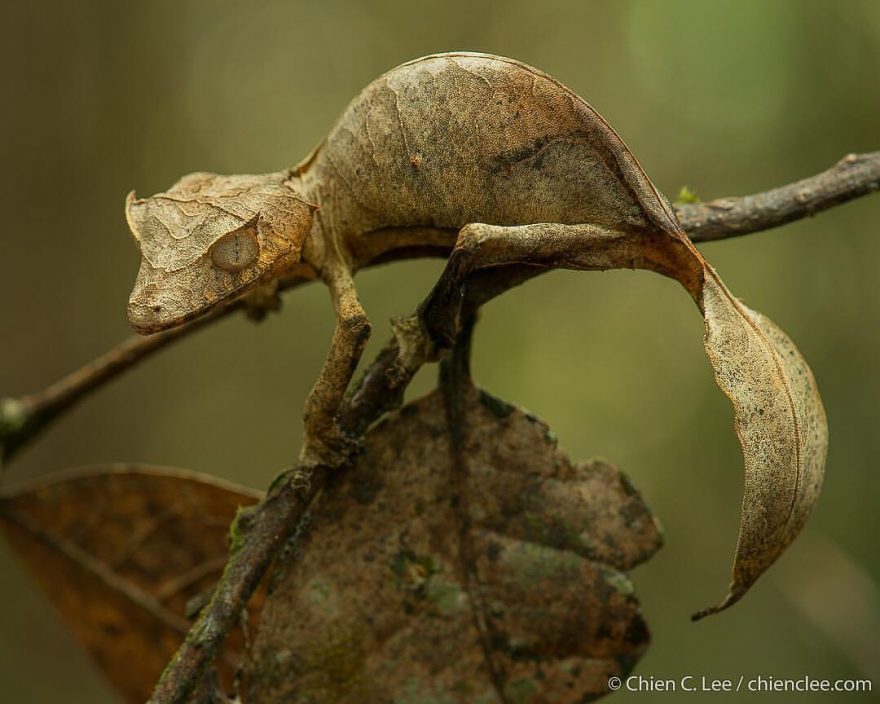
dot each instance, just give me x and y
(153, 307)
(147, 314)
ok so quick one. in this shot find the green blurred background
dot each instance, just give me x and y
(726, 97)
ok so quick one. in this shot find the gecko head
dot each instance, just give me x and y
(209, 239)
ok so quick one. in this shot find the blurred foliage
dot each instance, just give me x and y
(728, 97)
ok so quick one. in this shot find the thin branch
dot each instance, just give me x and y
(23, 419)
(853, 176)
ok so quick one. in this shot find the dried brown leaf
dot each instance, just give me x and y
(120, 550)
(780, 423)
(417, 581)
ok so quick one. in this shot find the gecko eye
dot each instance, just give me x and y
(236, 250)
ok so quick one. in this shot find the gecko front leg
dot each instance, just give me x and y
(324, 443)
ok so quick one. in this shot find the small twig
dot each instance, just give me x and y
(23, 419)
(853, 176)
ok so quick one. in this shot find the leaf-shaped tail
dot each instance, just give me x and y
(780, 423)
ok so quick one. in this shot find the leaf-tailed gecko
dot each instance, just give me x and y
(494, 164)
(432, 146)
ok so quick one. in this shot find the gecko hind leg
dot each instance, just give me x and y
(323, 442)
(550, 245)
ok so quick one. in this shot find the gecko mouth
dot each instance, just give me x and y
(151, 316)
(163, 302)
(150, 319)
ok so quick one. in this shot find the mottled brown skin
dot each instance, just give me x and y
(501, 167)
(450, 140)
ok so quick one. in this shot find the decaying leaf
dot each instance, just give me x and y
(416, 581)
(780, 423)
(120, 550)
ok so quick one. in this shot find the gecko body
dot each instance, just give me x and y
(449, 140)
(439, 153)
